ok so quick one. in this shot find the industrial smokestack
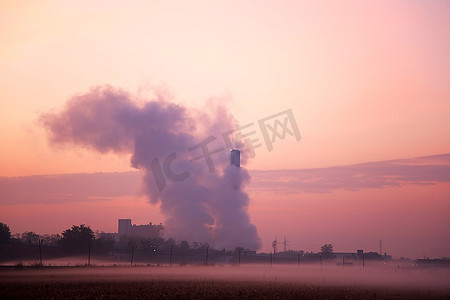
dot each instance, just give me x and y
(193, 196)
(235, 158)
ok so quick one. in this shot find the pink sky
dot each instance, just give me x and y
(404, 203)
(366, 81)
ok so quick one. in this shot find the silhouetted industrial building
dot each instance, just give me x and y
(146, 231)
(124, 227)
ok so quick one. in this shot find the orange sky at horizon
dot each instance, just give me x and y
(410, 220)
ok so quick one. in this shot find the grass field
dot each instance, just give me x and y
(224, 282)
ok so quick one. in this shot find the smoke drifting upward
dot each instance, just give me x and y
(164, 139)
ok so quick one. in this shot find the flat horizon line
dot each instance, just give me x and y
(445, 155)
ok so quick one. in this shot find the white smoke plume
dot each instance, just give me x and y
(199, 204)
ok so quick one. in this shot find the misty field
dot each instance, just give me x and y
(263, 282)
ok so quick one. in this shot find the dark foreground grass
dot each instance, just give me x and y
(250, 282)
(168, 289)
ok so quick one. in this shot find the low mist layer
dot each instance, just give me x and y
(377, 275)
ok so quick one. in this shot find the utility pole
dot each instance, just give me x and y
(285, 244)
(170, 258)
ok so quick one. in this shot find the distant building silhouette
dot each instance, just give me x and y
(359, 256)
(146, 231)
(124, 227)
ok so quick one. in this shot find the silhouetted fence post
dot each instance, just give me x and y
(89, 252)
(40, 252)
(170, 257)
(132, 255)
(363, 260)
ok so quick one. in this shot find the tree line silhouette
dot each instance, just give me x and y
(81, 240)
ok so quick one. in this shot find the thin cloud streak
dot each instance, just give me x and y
(65, 188)
(423, 170)
(47, 189)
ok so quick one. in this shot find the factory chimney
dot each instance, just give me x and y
(235, 158)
